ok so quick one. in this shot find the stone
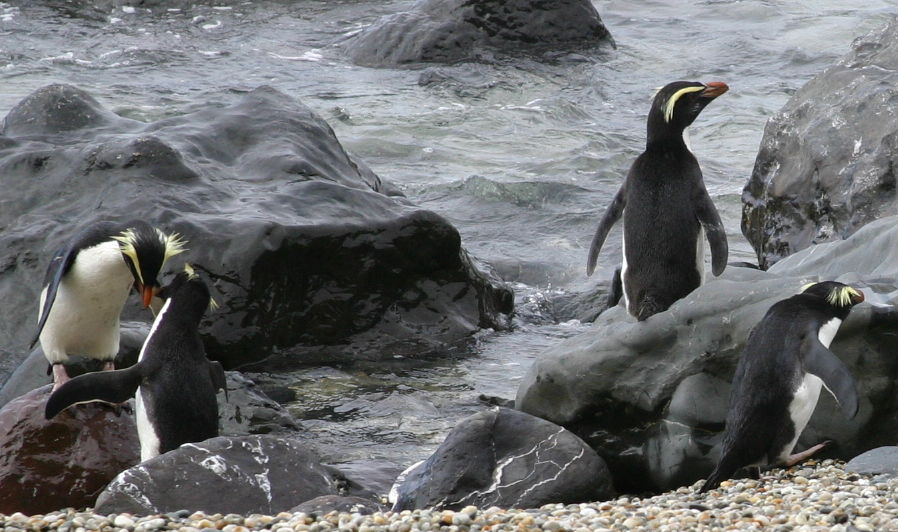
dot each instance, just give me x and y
(506, 458)
(336, 503)
(64, 462)
(650, 397)
(826, 165)
(311, 255)
(448, 31)
(879, 461)
(248, 410)
(243, 475)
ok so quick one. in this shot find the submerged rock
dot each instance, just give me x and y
(827, 161)
(650, 397)
(242, 475)
(311, 256)
(502, 457)
(447, 31)
(64, 462)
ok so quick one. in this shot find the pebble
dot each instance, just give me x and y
(784, 500)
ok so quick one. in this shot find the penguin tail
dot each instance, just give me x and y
(648, 306)
(712, 482)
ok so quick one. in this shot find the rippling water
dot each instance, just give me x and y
(521, 156)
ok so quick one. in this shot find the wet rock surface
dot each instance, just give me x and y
(337, 503)
(455, 30)
(244, 475)
(648, 396)
(311, 256)
(879, 461)
(826, 165)
(63, 462)
(502, 457)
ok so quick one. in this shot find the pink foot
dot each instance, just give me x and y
(60, 376)
(804, 455)
(109, 365)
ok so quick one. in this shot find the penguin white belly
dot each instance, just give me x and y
(700, 256)
(800, 409)
(84, 319)
(623, 268)
(146, 432)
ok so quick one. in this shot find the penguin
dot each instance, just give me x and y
(785, 363)
(175, 384)
(87, 283)
(665, 208)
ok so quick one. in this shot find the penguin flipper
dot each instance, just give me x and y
(611, 216)
(216, 371)
(717, 237)
(111, 386)
(617, 289)
(820, 361)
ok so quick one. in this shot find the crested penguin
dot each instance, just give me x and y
(86, 285)
(175, 384)
(665, 208)
(785, 363)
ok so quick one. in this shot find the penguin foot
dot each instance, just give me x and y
(60, 376)
(109, 365)
(807, 453)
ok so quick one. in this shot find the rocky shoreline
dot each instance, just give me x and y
(811, 496)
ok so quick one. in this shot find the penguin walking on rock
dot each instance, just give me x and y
(665, 208)
(86, 286)
(175, 384)
(785, 363)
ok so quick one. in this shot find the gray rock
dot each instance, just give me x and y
(502, 457)
(827, 161)
(447, 31)
(248, 410)
(337, 503)
(879, 461)
(243, 475)
(649, 397)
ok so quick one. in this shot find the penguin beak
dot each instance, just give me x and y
(146, 292)
(714, 89)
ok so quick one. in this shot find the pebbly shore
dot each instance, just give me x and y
(813, 496)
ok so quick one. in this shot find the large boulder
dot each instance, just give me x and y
(243, 475)
(503, 457)
(311, 256)
(64, 462)
(650, 397)
(827, 161)
(448, 31)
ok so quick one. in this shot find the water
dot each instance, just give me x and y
(521, 156)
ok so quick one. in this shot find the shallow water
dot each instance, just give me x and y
(521, 156)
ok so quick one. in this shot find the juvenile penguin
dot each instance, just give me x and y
(665, 206)
(785, 362)
(175, 383)
(87, 283)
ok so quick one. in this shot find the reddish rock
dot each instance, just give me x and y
(63, 462)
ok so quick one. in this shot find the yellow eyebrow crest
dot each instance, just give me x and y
(173, 243)
(672, 101)
(127, 239)
(841, 297)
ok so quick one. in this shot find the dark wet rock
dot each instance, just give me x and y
(311, 256)
(243, 475)
(827, 161)
(649, 397)
(447, 31)
(63, 462)
(248, 410)
(506, 458)
(337, 503)
(879, 461)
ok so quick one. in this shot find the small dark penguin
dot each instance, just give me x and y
(777, 382)
(175, 383)
(87, 283)
(665, 207)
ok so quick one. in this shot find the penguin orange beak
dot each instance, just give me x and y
(146, 292)
(714, 89)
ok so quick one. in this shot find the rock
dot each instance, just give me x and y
(336, 503)
(63, 462)
(447, 31)
(827, 161)
(649, 397)
(879, 461)
(311, 256)
(242, 475)
(248, 410)
(502, 457)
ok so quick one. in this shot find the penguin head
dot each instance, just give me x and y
(188, 293)
(678, 104)
(145, 250)
(838, 297)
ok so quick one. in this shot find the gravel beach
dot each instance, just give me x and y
(813, 496)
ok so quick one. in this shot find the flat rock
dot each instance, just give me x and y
(337, 503)
(447, 31)
(879, 461)
(826, 164)
(506, 458)
(650, 397)
(64, 462)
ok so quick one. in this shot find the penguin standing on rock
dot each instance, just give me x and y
(87, 283)
(665, 207)
(777, 382)
(175, 383)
